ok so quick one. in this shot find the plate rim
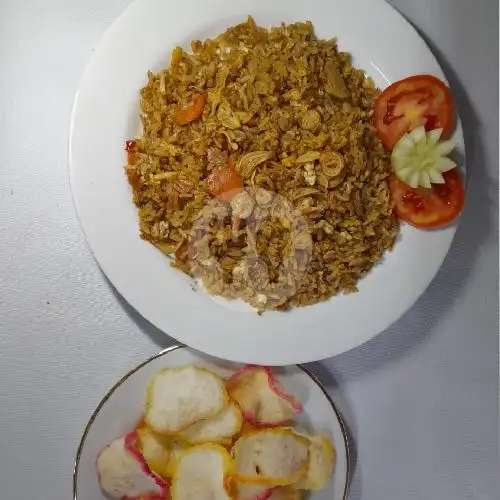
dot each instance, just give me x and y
(165, 352)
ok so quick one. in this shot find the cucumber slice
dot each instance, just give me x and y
(419, 159)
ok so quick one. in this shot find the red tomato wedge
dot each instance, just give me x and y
(410, 103)
(428, 208)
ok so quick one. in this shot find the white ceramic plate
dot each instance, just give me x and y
(121, 409)
(106, 113)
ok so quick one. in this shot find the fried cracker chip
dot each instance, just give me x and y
(262, 398)
(176, 448)
(202, 473)
(123, 472)
(219, 429)
(320, 466)
(285, 493)
(246, 491)
(155, 449)
(179, 397)
(270, 457)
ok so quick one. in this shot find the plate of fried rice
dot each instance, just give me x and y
(231, 184)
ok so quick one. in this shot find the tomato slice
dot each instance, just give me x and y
(428, 208)
(410, 103)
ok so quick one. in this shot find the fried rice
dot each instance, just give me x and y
(294, 116)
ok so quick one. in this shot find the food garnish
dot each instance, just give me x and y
(411, 117)
(421, 100)
(428, 208)
(419, 159)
